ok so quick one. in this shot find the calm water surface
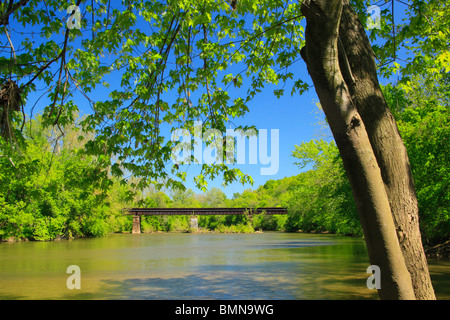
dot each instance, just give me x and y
(196, 266)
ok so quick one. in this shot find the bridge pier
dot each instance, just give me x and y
(194, 223)
(136, 225)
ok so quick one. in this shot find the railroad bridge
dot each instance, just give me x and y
(194, 212)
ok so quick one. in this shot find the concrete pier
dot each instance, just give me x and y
(136, 224)
(194, 223)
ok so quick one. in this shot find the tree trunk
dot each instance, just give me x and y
(387, 146)
(321, 55)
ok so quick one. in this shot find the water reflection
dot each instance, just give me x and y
(195, 266)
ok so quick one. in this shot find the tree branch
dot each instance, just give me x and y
(63, 52)
(4, 18)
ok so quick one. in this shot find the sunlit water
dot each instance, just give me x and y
(196, 266)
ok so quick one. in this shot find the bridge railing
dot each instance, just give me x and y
(203, 211)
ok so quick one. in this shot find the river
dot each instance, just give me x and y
(196, 266)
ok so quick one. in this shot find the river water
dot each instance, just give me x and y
(196, 266)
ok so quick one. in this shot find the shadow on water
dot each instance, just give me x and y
(177, 288)
(235, 282)
(203, 287)
(439, 272)
(290, 278)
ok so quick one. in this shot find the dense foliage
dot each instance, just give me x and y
(166, 64)
(54, 189)
(51, 189)
(422, 110)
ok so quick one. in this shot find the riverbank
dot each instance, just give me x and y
(441, 250)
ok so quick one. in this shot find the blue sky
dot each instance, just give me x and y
(296, 119)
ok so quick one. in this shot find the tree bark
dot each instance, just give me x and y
(387, 146)
(321, 55)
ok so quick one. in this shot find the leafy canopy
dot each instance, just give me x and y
(166, 64)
